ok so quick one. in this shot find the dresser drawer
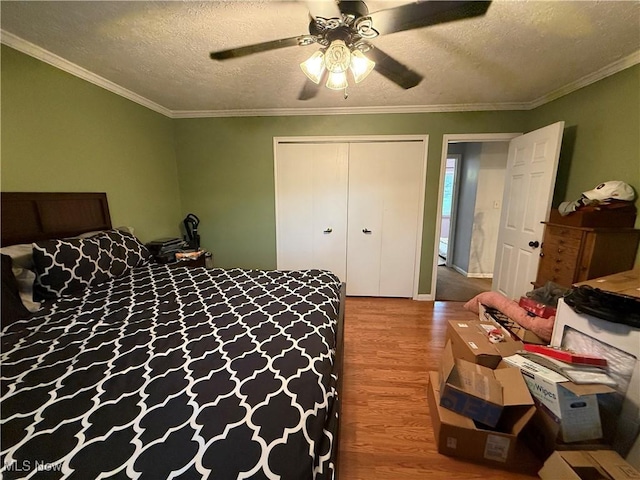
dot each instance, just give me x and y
(563, 237)
(574, 254)
(556, 269)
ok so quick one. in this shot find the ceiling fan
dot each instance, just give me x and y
(344, 41)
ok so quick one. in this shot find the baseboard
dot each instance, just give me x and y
(459, 270)
(471, 275)
(479, 275)
(424, 297)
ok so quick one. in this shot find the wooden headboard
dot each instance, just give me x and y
(28, 217)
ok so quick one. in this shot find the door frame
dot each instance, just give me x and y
(424, 138)
(446, 139)
(454, 208)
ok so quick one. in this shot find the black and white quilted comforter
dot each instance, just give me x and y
(175, 373)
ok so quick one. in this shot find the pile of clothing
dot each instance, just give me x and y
(608, 195)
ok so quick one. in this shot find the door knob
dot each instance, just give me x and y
(366, 230)
(534, 244)
(328, 230)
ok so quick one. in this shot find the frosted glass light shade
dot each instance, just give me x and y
(337, 58)
(361, 66)
(313, 67)
(337, 81)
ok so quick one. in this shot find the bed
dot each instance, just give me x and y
(142, 370)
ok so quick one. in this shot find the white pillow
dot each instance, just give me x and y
(21, 255)
(25, 280)
(22, 267)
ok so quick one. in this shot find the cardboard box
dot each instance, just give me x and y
(618, 343)
(581, 465)
(575, 406)
(542, 436)
(470, 342)
(459, 436)
(480, 393)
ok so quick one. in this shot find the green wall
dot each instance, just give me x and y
(61, 133)
(233, 190)
(226, 173)
(601, 137)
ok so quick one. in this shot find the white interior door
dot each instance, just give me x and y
(385, 187)
(532, 165)
(311, 206)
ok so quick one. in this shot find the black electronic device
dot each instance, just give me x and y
(164, 246)
(191, 223)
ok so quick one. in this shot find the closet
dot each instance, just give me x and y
(353, 207)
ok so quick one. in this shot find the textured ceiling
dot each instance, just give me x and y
(520, 54)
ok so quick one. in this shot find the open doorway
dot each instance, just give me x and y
(471, 184)
(448, 211)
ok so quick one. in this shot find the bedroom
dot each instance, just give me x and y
(62, 133)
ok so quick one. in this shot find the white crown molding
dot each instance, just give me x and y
(35, 51)
(612, 68)
(46, 56)
(471, 107)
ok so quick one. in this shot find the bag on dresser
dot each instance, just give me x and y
(614, 307)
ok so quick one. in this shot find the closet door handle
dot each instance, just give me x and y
(366, 231)
(328, 230)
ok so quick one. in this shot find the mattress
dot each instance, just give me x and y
(176, 373)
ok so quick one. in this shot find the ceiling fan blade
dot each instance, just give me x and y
(256, 48)
(323, 8)
(392, 69)
(424, 14)
(309, 90)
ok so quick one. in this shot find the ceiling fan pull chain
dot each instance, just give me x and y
(346, 94)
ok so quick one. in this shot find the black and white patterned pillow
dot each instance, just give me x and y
(125, 249)
(67, 266)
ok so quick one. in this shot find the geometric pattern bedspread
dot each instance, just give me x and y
(175, 373)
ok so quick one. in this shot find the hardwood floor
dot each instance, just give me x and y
(390, 346)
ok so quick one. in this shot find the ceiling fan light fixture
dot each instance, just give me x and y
(313, 67)
(360, 66)
(337, 81)
(337, 58)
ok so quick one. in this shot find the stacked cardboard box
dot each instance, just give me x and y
(479, 405)
(490, 405)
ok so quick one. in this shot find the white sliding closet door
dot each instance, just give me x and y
(385, 186)
(311, 206)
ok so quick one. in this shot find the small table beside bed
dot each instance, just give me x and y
(133, 369)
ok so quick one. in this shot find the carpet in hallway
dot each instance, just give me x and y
(455, 287)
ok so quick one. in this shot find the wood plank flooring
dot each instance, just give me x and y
(390, 346)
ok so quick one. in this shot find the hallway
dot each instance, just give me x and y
(455, 287)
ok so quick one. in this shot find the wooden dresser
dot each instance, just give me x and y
(574, 254)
